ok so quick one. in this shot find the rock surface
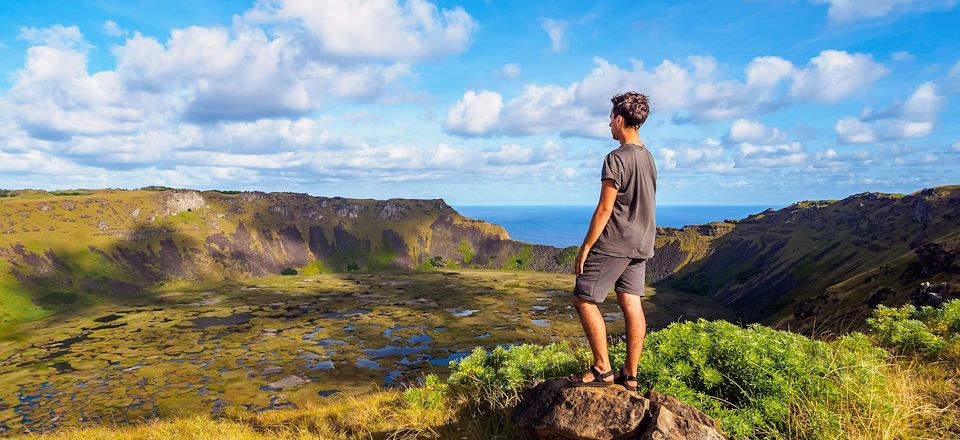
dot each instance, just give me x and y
(551, 410)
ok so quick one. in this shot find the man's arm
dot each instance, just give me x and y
(608, 196)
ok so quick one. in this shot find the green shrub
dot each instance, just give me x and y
(746, 378)
(466, 252)
(753, 380)
(353, 267)
(927, 331)
(520, 260)
(499, 377)
(288, 271)
(313, 268)
(429, 396)
(566, 256)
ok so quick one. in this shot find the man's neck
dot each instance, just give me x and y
(630, 137)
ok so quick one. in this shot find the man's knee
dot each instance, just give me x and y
(579, 303)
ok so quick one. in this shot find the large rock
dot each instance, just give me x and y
(673, 419)
(551, 410)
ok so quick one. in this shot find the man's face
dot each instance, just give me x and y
(615, 126)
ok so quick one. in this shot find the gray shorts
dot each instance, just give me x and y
(602, 272)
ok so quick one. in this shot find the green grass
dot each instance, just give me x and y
(16, 305)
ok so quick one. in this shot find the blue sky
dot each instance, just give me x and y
(756, 102)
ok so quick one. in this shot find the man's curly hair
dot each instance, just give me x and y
(633, 106)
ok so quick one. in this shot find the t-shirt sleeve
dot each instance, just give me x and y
(613, 170)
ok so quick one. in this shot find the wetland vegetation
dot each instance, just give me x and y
(281, 342)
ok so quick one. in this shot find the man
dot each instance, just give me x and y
(618, 243)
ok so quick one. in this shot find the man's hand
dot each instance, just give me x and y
(581, 258)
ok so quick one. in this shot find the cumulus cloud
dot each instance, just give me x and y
(834, 75)
(112, 29)
(708, 156)
(475, 113)
(57, 36)
(556, 30)
(832, 161)
(411, 30)
(280, 60)
(217, 104)
(744, 130)
(849, 10)
(514, 154)
(912, 118)
(692, 91)
(766, 156)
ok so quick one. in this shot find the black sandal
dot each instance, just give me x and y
(576, 379)
(622, 379)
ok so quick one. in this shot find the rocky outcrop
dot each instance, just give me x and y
(179, 201)
(932, 294)
(552, 410)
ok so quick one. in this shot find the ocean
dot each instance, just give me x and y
(563, 226)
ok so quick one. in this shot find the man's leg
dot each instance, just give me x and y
(636, 331)
(596, 330)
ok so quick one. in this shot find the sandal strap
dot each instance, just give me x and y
(598, 375)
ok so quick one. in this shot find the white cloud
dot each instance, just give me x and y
(112, 29)
(691, 91)
(411, 30)
(510, 70)
(514, 154)
(744, 130)
(912, 118)
(834, 75)
(36, 162)
(708, 156)
(778, 155)
(262, 67)
(57, 36)
(475, 113)
(849, 10)
(902, 56)
(556, 30)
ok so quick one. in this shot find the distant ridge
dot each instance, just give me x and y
(825, 262)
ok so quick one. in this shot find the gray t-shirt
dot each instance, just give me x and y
(632, 227)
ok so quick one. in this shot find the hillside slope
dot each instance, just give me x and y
(821, 263)
(60, 250)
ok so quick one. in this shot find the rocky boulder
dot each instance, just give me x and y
(552, 410)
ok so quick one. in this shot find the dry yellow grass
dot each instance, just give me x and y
(924, 398)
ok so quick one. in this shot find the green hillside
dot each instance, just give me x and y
(62, 250)
(822, 264)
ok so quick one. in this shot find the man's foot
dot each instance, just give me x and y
(591, 378)
(629, 382)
